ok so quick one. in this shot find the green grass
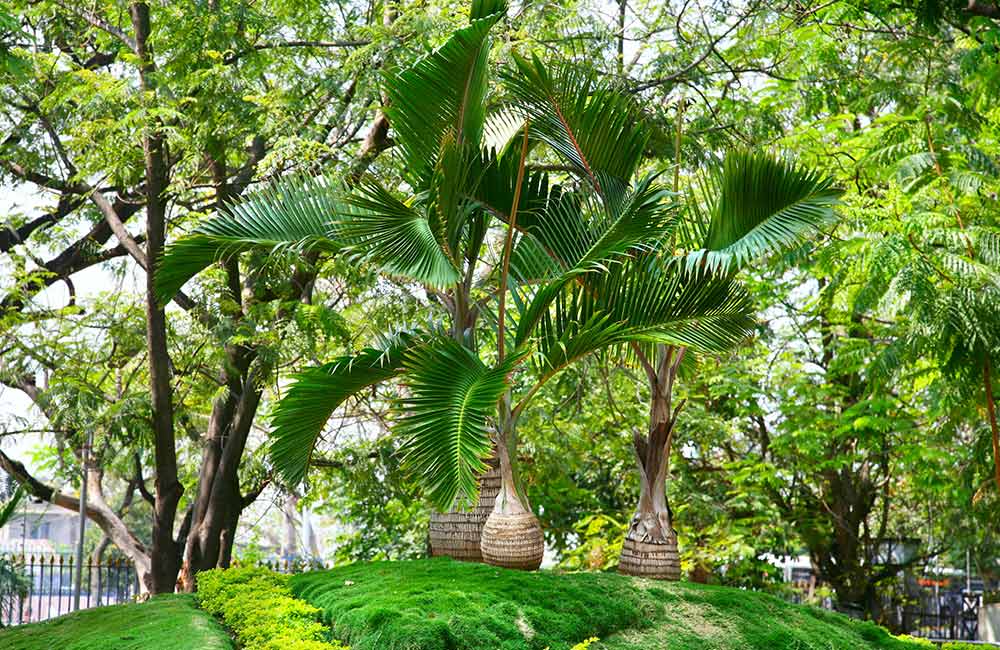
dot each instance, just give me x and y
(162, 623)
(445, 605)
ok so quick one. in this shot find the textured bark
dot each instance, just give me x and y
(650, 546)
(220, 503)
(168, 492)
(457, 533)
(512, 536)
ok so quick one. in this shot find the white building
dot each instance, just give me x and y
(39, 528)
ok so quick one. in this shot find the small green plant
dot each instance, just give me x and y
(916, 640)
(960, 645)
(600, 546)
(258, 606)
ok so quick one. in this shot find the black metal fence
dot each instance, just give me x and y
(951, 616)
(927, 612)
(42, 587)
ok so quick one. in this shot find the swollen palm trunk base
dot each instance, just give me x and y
(457, 534)
(513, 541)
(654, 559)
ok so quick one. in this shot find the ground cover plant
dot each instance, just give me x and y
(257, 605)
(441, 604)
(169, 622)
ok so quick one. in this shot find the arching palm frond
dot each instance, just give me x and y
(582, 240)
(759, 205)
(296, 213)
(645, 299)
(444, 92)
(394, 236)
(304, 410)
(451, 395)
(594, 126)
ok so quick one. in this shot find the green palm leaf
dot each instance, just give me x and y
(586, 240)
(304, 410)
(293, 214)
(594, 126)
(394, 236)
(451, 395)
(759, 205)
(444, 92)
(646, 299)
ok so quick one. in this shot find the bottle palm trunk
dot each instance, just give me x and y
(512, 535)
(650, 546)
(457, 533)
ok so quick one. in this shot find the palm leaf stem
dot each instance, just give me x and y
(505, 267)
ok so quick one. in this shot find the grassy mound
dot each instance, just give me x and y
(162, 623)
(445, 605)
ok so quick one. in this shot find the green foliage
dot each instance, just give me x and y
(257, 605)
(589, 122)
(443, 94)
(761, 205)
(365, 487)
(451, 393)
(315, 395)
(295, 214)
(442, 604)
(170, 622)
(600, 544)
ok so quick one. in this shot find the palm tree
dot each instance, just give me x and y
(752, 205)
(437, 112)
(577, 267)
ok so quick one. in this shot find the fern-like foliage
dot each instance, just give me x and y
(452, 396)
(307, 405)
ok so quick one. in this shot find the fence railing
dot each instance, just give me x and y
(43, 587)
(945, 617)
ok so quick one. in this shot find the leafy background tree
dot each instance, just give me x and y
(866, 369)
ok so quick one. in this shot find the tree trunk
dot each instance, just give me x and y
(209, 544)
(512, 536)
(650, 546)
(168, 488)
(458, 533)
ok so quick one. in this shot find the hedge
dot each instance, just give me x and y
(258, 606)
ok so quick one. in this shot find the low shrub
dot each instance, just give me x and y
(915, 640)
(258, 606)
(950, 645)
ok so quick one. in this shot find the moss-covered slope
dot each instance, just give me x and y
(445, 605)
(162, 623)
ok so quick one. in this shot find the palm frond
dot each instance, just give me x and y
(583, 239)
(296, 214)
(444, 92)
(304, 410)
(452, 393)
(593, 125)
(759, 205)
(395, 236)
(646, 299)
